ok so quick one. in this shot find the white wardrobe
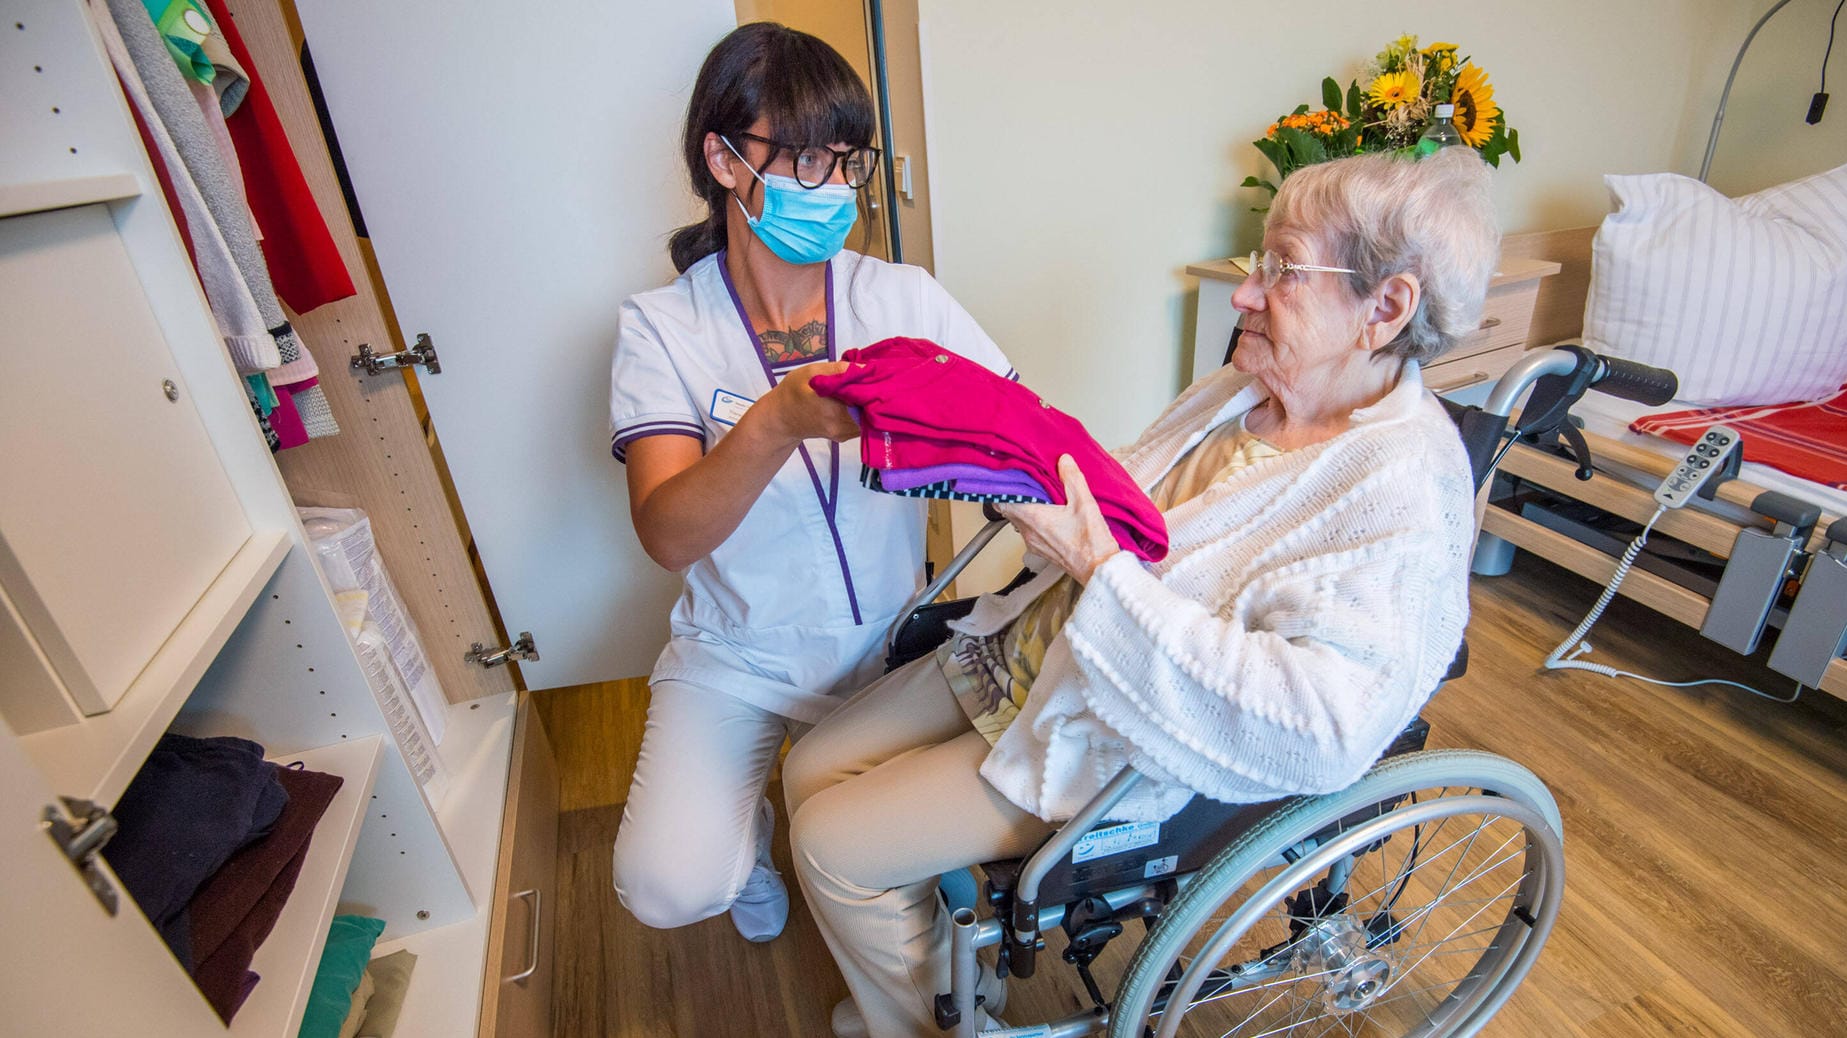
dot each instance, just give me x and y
(154, 577)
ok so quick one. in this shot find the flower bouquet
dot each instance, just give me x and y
(1405, 84)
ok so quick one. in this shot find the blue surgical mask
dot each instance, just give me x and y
(801, 225)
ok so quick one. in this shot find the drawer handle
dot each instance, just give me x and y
(1475, 379)
(1489, 322)
(533, 943)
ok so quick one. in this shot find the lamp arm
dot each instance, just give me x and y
(1712, 142)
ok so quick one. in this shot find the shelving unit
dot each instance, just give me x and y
(288, 959)
(255, 648)
(96, 760)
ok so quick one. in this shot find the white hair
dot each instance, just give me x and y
(1382, 215)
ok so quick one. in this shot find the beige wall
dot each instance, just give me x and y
(1083, 153)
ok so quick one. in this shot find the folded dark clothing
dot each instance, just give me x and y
(234, 910)
(194, 803)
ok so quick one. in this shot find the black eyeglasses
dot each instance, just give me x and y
(814, 163)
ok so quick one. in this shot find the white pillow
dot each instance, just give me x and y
(1745, 299)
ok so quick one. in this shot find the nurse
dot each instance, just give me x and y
(745, 481)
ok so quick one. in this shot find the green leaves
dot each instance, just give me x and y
(1330, 94)
(1502, 141)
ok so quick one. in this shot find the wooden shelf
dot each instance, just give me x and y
(96, 758)
(444, 997)
(40, 195)
(289, 958)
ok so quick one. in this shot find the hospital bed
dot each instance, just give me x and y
(1767, 551)
(1413, 902)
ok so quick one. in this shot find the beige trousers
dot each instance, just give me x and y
(884, 796)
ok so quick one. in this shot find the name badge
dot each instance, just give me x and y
(728, 407)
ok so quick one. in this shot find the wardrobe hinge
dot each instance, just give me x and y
(523, 649)
(80, 828)
(422, 352)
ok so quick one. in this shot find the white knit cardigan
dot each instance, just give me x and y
(1307, 607)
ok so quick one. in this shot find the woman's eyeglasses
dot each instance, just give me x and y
(1268, 268)
(815, 164)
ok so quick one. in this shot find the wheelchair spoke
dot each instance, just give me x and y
(1472, 917)
(1422, 914)
(1387, 940)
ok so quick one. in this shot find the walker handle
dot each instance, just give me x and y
(1639, 382)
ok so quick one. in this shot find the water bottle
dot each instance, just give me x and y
(1441, 133)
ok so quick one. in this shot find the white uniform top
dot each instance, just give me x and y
(792, 607)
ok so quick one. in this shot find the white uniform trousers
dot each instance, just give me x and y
(692, 825)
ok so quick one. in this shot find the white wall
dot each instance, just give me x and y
(1083, 153)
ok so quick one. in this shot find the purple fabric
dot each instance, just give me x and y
(965, 479)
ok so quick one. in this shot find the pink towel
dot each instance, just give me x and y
(921, 405)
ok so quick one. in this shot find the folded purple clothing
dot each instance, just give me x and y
(965, 479)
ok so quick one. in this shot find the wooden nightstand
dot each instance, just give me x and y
(1484, 355)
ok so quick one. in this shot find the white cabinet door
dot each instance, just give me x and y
(126, 981)
(518, 170)
(117, 514)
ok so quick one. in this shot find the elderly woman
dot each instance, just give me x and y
(1319, 507)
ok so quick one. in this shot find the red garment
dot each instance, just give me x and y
(1805, 440)
(921, 405)
(304, 264)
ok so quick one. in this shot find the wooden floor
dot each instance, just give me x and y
(1706, 848)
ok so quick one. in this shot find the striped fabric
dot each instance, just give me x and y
(657, 426)
(1804, 440)
(869, 478)
(1745, 299)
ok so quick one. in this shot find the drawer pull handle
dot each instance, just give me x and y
(1489, 322)
(533, 944)
(1474, 379)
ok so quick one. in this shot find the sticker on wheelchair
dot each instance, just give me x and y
(1035, 1031)
(1160, 866)
(1101, 843)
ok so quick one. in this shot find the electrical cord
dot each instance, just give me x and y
(1826, 53)
(1577, 646)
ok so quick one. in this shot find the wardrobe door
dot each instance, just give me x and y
(98, 586)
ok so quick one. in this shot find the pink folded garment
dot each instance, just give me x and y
(923, 406)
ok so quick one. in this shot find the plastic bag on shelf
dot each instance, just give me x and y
(349, 557)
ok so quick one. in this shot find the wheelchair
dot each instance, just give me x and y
(1411, 903)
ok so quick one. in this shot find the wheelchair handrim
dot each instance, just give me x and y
(1286, 882)
(1222, 881)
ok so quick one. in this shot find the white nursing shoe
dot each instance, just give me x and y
(762, 907)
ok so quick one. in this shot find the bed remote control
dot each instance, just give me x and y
(1707, 457)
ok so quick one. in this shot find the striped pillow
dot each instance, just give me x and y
(1745, 299)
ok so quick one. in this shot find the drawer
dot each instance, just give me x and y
(1506, 318)
(1453, 373)
(516, 991)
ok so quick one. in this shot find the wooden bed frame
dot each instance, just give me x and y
(1559, 316)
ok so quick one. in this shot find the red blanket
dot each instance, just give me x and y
(1806, 440)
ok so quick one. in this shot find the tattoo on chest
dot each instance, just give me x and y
(805, 343)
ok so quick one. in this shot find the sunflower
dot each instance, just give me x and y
(1393, 89)
(1476, 111)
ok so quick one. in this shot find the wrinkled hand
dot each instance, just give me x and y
(799, 413)
(1072, 536)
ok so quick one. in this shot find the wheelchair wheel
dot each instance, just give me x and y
(1411, 903)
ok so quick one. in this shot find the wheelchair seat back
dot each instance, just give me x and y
(1115, 855)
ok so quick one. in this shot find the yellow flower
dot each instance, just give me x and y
(1476, 112)
(1393, 89)
(1439, 47)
